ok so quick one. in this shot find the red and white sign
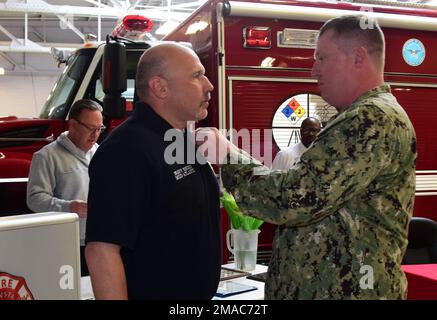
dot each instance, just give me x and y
(13, 288)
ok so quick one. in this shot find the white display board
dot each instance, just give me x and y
(40, 256)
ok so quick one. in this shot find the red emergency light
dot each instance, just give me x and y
(257, 37)
(133, 27)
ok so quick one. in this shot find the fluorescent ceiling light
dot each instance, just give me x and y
(2, 71)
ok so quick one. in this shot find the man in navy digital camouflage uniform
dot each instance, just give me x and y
(343, 209)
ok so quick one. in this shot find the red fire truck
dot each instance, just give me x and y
(258, 55)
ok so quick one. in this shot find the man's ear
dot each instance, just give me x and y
(158, 86)
(360, 56)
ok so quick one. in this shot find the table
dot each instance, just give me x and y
(422, 281)
(86, 291)
(257, 294)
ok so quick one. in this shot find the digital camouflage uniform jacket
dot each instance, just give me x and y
(343, 210)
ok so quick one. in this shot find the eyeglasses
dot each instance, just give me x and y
(91, 129)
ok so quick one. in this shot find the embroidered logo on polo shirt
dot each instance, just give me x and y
(13, 288)
(183, 172)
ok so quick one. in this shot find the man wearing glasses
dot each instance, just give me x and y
(58, 177)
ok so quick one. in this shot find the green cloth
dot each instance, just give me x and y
(238, 220)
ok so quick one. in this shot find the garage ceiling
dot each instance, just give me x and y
(28, 29)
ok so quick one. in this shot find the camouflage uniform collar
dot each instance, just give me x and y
(356, 104)
(385, 88)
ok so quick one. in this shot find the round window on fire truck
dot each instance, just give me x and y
(290, 114)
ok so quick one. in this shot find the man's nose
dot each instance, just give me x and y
(209, 85)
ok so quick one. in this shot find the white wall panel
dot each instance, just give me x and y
(24, 96)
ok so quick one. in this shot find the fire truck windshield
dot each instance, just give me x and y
(62, 94)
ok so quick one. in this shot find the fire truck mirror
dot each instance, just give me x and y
(114, 106)
(114, 79)
(114, 68)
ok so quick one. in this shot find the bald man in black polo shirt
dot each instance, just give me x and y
(153, 227)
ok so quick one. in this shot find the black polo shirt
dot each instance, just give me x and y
(165, 217)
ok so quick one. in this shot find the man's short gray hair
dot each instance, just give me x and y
(358, 29)
(150, 65)
(79, 105)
